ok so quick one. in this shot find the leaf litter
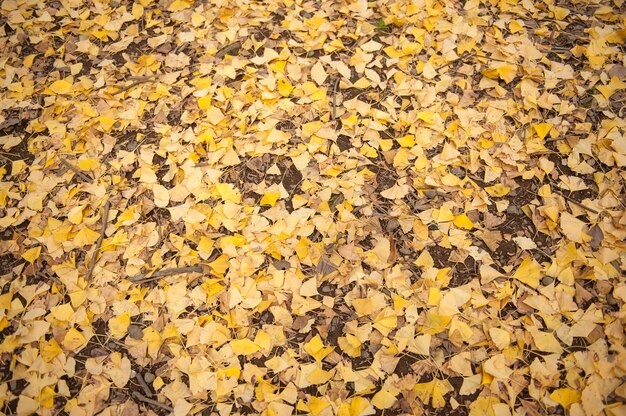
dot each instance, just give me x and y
(319, 208)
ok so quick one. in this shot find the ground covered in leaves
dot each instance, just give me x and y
(312, 207)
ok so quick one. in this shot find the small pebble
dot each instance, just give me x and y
(149, 377)
(457, 171)
(135, 332)
(392, 225)
(430, 193)
(547, 280)
(610, 299)
(513, 210)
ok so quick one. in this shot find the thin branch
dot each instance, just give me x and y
(94, 256)
(228, 50)
(77, 171)
(335, 99)
(153, 402)
(148, 78)
(146, 277)
(143, 384)
(460, 58)
(572, 200)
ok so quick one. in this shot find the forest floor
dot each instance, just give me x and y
(312, 207)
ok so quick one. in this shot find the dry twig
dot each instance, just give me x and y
(572, 200)
(335, 99)
(94, 256)
(140, 80)
(228, 50)
(146, 277)
(77, 171)
(143, 384)
(153, 402)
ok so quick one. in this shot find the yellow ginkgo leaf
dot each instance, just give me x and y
(244, 346)
(75, 216)
(85, 237)
(74, 340)
(119, 325)
(154, 340)
(316, 349)
(498, 190)
(270, 198)
(317, 405)
(565, 397)
(228, 192)
(220, 265)
(434, 391)
(89, 164)
(161, 195)
(319, 376)
(384, 399)
(284, 87)
(395, 192)
(528, 272)
(61, 86)
(350, 345)
(546, 341)
(506, 72)
(463, 221)
(427, 117)
(128, 217)
(500, 337)
(443, 214)
(204, 102)
(49, 350)
(542, 129)
(614, 85)
(46, 397)
(32, 254)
